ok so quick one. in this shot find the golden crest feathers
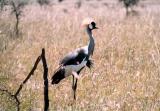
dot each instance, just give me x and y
(87, 21)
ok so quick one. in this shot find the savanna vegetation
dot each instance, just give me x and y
(126, 71)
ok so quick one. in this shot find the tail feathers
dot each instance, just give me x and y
(58, 76)
(89, 63)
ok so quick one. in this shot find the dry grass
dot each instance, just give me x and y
(126, 73)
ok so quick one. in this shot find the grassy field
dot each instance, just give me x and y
(126, 72)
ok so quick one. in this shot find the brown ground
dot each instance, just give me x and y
(126, 72)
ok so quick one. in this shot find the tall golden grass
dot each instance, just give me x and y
(126, 72)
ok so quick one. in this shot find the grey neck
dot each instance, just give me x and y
(91, 43)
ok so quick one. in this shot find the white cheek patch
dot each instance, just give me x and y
(90, 26)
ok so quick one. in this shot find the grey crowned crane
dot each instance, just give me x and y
(75, 61)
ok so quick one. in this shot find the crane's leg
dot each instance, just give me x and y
(75, 74)
(75, 84)
(75, 88)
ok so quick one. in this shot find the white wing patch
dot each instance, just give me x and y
(70, 68)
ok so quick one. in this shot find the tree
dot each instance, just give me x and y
(17, 11)
(43, 2)
(78, 4)
(2, 4)
(60, 0)
(128, 4)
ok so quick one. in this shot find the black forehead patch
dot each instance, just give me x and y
(93, 24)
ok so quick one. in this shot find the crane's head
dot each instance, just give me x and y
(89, 23)
(92, 26)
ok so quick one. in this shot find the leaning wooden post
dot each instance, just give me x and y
(15, 96)
(45, 77)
